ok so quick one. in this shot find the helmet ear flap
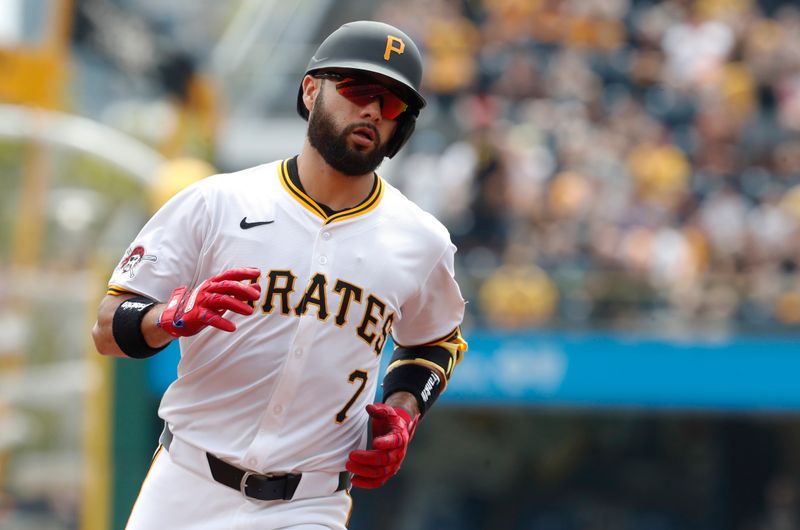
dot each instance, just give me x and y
(405, 127)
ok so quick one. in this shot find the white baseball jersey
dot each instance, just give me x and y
(286, 391)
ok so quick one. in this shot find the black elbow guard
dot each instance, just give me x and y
(422, 371)
(423, 383)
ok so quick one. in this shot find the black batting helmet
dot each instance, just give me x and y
(378, 50)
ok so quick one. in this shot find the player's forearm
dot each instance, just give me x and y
(153, 334)
(404, 400)
(102, 332)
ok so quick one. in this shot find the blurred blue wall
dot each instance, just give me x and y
(744, 373)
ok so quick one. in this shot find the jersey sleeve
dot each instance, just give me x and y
(165, 253)
(435, 312)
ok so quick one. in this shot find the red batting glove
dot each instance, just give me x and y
(392, 429)
(187, 315)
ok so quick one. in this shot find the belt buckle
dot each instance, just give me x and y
(243, 483)
(247, 475)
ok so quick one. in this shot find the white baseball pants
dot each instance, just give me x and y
(174, 497)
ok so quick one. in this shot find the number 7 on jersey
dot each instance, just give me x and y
(356, 374)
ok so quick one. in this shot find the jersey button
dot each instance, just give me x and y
(298, 352)
(326, 235)
(323, 260)
(277, 409)
(252, 463)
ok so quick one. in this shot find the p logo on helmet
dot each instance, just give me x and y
(391, 40)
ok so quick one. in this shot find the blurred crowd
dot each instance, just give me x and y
(612, 163)
(628, 163)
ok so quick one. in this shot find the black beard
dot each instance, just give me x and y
(333, 146)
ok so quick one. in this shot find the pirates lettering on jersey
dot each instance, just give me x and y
(374, 325)
(315, 294)
(274, 287)
(349, 292)
(385, 330)
(370, 319)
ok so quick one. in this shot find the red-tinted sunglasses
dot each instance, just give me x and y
(362, 91)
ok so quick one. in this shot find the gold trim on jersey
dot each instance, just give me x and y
(366, 206)
(115, 290)
(453, 342)
(152, 463)
(306, 201)
(349, 511)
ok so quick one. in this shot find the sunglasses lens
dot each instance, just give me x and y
(393, 107)
(362, 93)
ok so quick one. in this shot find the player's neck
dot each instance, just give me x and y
(328, 186)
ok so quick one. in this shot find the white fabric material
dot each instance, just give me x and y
(271, 397)
(176, 498)
(312, 483)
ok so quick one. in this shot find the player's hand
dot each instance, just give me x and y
(392, 429)
(187, 313)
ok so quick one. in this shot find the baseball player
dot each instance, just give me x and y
(283, 283)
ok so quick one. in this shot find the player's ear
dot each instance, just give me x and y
(311, 87)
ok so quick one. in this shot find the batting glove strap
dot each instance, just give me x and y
(187, 313)
(392, 430)
(172, 318)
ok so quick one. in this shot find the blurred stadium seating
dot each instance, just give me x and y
(642, 155)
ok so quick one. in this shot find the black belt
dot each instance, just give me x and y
(261, 487)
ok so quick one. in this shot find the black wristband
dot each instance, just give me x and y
(127, 327)
(423, 383)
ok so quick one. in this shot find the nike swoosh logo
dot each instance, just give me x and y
(244, 225)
